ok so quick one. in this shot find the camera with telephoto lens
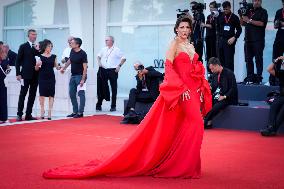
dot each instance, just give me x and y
(182, 12)
(216, 12)
(245, 8)
(279, 64)
(140, 67)
(197, 10)
(199, 7)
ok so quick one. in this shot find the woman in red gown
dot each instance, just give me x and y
(167, 142)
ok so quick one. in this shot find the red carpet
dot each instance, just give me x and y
(230, 159)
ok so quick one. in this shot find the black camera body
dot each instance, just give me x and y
(245, 8)
(218, 5)
(140, 67)
(199, 7)
(278, 62)
(182, 12)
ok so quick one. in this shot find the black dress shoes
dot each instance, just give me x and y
(78, 116)
(112, 109)
(131, 114)
(269, 131)
(72, 115)
(208, 126)
(124, 121)
(19, 118)
(30, 118)
(98, 108)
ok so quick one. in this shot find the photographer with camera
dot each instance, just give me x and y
(147, 90)
(229, 30)
(255, 21)
(278, 47)
(210, 27)
(276, 113)
(198, 31)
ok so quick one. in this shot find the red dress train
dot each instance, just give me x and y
(167, 142)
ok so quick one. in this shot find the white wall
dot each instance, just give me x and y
(80, 25)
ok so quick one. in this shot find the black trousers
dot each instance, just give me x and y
(254, 50)
(199, 49)
(276, 113)
(137, 96)
(31, 85)
(278, 50)
(210, 47)
(111, 76)
(3, 101)
(226, 54)
(217, 107)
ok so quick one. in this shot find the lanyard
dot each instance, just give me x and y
(252, 14)
(227, 19)
(283, 13)
(211, 19)
(109, 54)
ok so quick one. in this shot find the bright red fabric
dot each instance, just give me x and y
(167, 142)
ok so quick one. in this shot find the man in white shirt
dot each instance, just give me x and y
(67, 50)
(110, 59)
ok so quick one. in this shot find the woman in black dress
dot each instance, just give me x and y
(46, 81)
(4, 66)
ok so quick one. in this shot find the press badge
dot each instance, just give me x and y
(226, 28)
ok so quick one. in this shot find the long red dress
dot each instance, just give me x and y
(167, 142)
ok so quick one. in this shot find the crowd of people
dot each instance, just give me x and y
(35, 65)
(223, 28)
(184, 101)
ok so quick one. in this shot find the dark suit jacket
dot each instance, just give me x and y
(227, 84)
(153, 79)
(12, 57)
(25, 62)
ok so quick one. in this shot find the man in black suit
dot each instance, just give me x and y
(27, 75)
(224, 89)
(147, 89)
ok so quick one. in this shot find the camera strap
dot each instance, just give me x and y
(107, 56)
(252, 14)
(227, 19)
(3, 70)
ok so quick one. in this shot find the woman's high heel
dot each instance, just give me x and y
(42, 115)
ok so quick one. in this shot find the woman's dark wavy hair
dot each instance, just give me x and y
(43, 44)
(182, 19)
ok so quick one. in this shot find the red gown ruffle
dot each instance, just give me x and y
(167, 142)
